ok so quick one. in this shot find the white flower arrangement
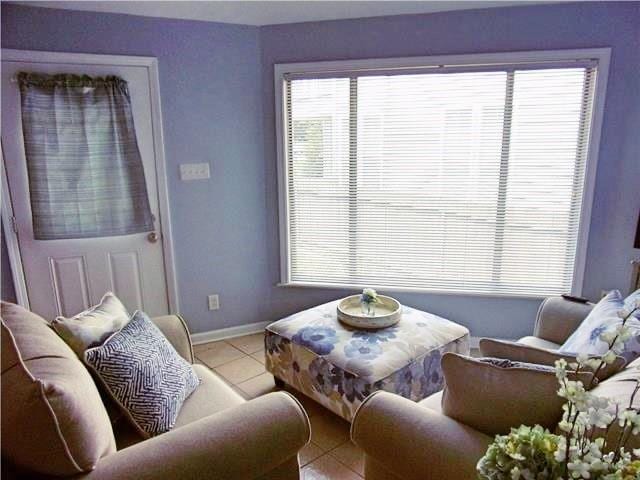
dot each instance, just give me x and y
(584, 448)
(368, 300)
(369, 295)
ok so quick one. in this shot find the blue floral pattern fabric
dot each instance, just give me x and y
(339, 366)
(605, 317)
(320, 340)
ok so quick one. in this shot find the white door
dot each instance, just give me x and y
(64, 277)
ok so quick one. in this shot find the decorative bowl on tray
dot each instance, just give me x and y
(387, 312)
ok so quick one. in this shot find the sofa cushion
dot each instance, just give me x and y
(433, 402)
(538, 342)
(212, 396)
(144, 374)
(93, 326)
(518, 352)
(493, 395)
(619, 389)
(53, 421)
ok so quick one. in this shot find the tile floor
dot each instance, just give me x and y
(331, 455)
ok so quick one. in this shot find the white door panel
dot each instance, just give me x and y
(65, 276)
(126, 279)
(70, 284)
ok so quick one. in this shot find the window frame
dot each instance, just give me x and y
(466, 61)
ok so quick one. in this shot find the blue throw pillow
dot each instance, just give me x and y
(144, 374)
(604, 317)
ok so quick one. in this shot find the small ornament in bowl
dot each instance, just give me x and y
(368, 301)
(369, 310)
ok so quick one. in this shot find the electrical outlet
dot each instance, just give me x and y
(214, 302)
(194, 171)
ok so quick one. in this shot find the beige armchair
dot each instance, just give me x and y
(259, 439)
(218, 435)
(557, 319)
(403, 440)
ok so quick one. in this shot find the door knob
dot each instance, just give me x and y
(152, 237)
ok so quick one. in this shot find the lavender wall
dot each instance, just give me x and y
(212, 112)
(217, 96)
(617, 198)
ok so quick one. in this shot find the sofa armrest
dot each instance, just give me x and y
(558, 318)
(245, 442)
(414, 442)
(175, 329)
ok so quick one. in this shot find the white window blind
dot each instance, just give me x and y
(457, 180)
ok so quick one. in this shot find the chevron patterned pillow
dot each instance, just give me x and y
(144, 374)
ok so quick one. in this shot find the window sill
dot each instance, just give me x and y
(382, 288)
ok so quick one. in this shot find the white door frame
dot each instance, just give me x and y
(11, 240)
(151, 64)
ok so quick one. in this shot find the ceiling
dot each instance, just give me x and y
(270, 12)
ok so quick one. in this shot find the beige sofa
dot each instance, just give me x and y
(403, 440)
(218, 435)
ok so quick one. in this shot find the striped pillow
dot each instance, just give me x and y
(144, 374)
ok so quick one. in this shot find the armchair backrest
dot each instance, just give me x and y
(175, 329)
(558, 318)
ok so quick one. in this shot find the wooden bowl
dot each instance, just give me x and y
(388, 312)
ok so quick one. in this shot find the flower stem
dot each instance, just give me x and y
(610, 346)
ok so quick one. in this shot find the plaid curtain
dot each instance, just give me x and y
(86, 177)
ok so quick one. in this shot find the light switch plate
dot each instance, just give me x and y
(214, 302)
(194, 171)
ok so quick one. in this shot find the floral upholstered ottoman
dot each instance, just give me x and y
(339, 366)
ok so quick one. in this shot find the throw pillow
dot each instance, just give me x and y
(633, 301)
(604, 317)
(144, 374)
(519, 352)
(494, 395)
(93, 326)
(53, 421)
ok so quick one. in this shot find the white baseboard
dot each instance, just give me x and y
(229, 332)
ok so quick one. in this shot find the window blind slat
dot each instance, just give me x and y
(458, 180)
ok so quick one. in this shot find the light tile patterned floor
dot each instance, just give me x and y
(331, 455)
